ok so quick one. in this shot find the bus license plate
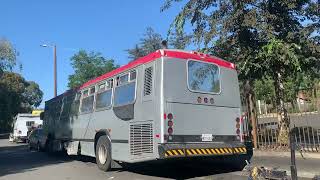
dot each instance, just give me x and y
(206, 137)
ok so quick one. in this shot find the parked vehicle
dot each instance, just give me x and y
(10, 137)
(36, 140)
(23, 124)
(170, 104)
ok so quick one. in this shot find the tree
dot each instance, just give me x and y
(239, 30)
(179, 40)
(16, 96)
(7, 55)
(88, 66)
(150, 42)
(278, 60)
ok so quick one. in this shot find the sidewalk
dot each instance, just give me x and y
(269, 153)
(307, 166)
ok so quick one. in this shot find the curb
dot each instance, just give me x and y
(307, 155)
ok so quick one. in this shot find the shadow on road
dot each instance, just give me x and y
(18, 159)
(181, 169)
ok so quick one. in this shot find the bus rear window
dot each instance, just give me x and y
(203, 77)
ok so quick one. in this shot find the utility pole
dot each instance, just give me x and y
(54, 67)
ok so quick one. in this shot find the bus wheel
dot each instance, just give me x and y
(103, 153)
(38, 147)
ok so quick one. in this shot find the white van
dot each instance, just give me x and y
(23, 125)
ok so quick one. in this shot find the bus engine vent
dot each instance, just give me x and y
(141, 138)
(147, 90)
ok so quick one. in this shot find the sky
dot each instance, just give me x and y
(103, 26)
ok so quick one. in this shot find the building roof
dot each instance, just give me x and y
(157, 54)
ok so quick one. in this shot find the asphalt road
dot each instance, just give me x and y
(17, 162)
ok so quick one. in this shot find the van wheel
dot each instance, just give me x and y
(103, 153)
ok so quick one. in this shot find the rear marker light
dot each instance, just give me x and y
(238, 131)
(237, 120)
(170, 123)
(211, 100)
(170, 130)
(170, 116)
(205, 100)
(238, 126)
(199, 99)
(164, 116)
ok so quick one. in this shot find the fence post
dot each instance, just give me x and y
(293, 166)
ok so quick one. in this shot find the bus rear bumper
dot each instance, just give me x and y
(176, 150)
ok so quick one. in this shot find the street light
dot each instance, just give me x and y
(54, 65)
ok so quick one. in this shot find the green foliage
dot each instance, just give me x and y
(88, 66)
(237, 30)
(150, 42)
(264, 90)
(7, 55)
(279, 57)
(179, 40)
(16, 96)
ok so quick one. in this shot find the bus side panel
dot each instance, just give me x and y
(126, 134)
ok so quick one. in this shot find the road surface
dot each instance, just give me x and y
(17, 162)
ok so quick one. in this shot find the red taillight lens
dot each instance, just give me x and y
(170, 130)
(199, 99)
(164, 116)
(205, 100)
(170, 123)
(170, 116)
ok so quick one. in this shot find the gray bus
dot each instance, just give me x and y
(170, 104)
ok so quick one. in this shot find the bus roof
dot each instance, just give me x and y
(157, 54)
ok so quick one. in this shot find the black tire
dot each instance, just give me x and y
(48, 147)
(30, 147)
(38, 147)
(103, 153)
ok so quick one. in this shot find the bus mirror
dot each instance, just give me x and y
(42, 115)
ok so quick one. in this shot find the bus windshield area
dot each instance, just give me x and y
(203, 77)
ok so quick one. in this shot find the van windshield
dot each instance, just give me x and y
(203, 77)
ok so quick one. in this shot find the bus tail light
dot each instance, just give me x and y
(238, 128)
(170, 124)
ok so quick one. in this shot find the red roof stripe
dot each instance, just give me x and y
(155, 55)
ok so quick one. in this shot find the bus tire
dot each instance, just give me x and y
(103, 153)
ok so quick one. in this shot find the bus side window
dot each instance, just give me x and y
(125, 91)
(87, 100)
(104, 94)
(76, 104)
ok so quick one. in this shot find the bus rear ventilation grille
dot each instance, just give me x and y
(141, 139)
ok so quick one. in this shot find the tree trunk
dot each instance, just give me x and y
(251, 108)
(283, 118)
